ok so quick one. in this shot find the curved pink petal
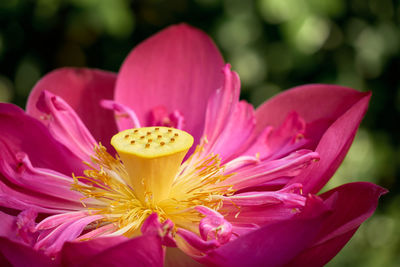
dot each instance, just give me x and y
(82, 89)
(145, 250)
(127, 118)
(52, 241)
(333, 147)
(221, 108)
(18, 170)
(262, 208)
(65, 126)
(351, 204)
(178, 69)
(21, 199)
(274, 244)
(278, 171)
(23, 133)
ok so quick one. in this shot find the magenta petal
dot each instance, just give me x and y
(333, 146)
(65, 126)
(23, 133)
(145, 250)
(82, 89)
(74, 253)
(312, 102)
(274, 244)
(19, 255)
(351, 204)
(178, 68)
(8, 226)
(18, 170)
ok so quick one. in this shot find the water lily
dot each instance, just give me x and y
(163, 164)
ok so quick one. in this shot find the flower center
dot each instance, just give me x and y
(152, 157)
(148, 177)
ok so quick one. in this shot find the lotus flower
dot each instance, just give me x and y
(162, 164)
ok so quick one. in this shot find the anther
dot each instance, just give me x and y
(142, 137)
(147, 145)
(150, 140)
(159, 136)
(148, 133)
(135, 131)
(169, 130)
(176, 134)
(126, 136)
(172, 139)
(132, 142)
(157, 129)
(162, 143)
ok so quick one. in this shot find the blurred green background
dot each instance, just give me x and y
(272, 44)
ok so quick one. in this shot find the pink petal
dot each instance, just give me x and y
(74, 253)
(153, 226)
(221, 108)
(8, 227)
(196, 242)
(65, 126)
(333, 146)
(24, 199)
(351, 204)
(236, 132)
(82, 89)
(19, 229)
(214, 226)
(258, 174)
(312, 102)
(23, 133)
(51, 242)
(273, 143)
(145, 250)
(18, 170)
(178, 68)
(261, 208)
(126, 117)
(19, 255)
(274, 244)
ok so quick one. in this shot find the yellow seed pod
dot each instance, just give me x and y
(152, 157)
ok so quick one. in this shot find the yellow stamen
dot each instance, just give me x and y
(152, 168)
(151, 180)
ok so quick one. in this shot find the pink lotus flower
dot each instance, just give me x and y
(244, 197)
